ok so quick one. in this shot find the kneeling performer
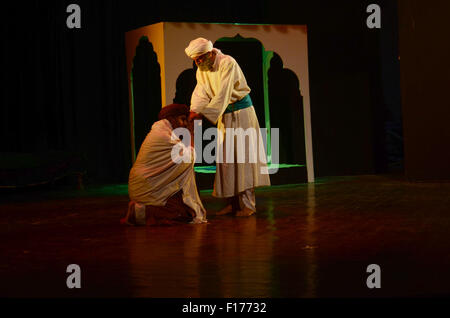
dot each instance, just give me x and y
(161, 185)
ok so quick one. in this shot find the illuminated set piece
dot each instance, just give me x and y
(169, 39)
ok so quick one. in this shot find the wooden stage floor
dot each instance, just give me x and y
(305, 241)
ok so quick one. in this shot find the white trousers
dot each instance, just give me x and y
(139, 213)
(244, 199)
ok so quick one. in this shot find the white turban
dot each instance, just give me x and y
(198, 47)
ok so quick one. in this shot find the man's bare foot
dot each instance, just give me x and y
(129, 218)
(245, 212)
(124, 221)
(226, 210)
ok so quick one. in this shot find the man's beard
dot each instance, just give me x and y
(206, 65)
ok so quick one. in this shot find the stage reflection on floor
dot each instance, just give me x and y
(307, 240)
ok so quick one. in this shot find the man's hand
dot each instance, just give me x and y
(193, 116)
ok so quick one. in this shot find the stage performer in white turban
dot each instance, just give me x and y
(161, 183)
(222, 97)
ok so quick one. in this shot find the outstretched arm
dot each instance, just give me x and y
(221, 100)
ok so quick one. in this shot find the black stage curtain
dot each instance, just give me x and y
(65, 89)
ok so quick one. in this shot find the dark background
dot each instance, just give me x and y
(66, 89)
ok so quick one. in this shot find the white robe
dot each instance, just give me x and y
(216, 89)
(155, 177)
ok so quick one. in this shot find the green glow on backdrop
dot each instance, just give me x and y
(267, 56)
(212, 169)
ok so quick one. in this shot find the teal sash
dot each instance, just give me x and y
(243, 103)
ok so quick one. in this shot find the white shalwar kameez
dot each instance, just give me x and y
(155, 177)
(223, 85)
